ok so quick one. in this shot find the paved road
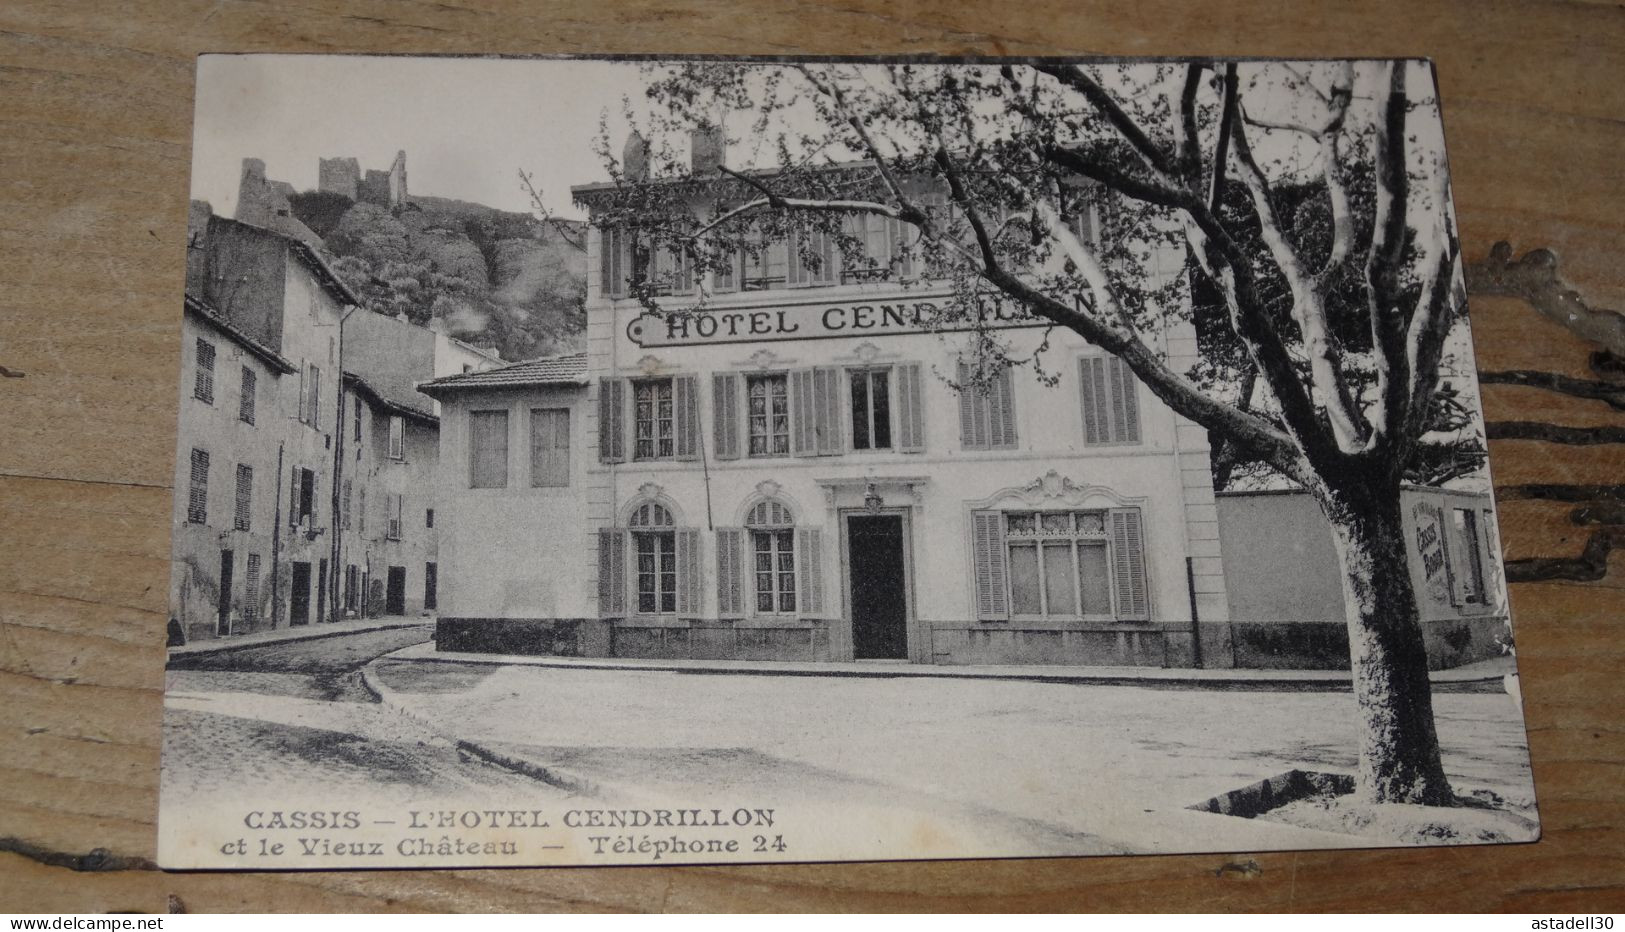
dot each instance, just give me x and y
(294, 717)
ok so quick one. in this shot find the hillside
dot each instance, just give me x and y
(497, 279)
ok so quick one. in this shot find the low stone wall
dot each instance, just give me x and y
(1140, 646)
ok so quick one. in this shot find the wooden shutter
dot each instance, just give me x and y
(910, 409)
(549, 447)
(1125, 402)
(685, 393)
(803, 405)
(810, 569)
(614, 260)
(304, 395)
(730, 572)
(612, 542)
(1001, 411)
(809, 247)
(245, 404)
(988, 555)
(315, 397)
(1091, 392)
(725, 415)
(488, 449)
(688, 572)
(612, 420)
(197, 506)
(1128, 565)
(293, 498)
(826, 384)
(245, 495)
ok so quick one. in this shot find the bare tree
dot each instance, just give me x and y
(1311, 201)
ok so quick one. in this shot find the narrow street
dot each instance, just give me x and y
(295, 717)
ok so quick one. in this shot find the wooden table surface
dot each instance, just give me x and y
(95, 118)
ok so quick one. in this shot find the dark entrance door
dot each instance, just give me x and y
(222, 624)
(431, 583)
(879, 587)
(299, 599)
(321, 592)
(395, 594)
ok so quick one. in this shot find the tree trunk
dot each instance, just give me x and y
(1399, 749)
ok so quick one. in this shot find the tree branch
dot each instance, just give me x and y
(1074, 77)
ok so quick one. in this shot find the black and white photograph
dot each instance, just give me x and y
(589, 461)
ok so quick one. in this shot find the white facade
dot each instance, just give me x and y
(900, 541)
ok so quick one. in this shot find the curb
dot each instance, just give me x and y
(542, 773)
(315, 635)
(1484, 683)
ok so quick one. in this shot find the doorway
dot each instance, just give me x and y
(299, 600)
(431, 585)
(321, 592)
(395, 593)
(877, 580)
(222, 622)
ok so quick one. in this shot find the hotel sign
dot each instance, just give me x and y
(925, 314)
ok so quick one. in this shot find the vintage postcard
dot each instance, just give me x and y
(592, 461)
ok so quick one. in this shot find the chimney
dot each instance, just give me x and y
(635, 158)
(708, 148)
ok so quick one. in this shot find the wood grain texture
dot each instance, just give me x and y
(95, 115)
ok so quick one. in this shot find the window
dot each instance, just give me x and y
(245, 495)
(871, 409)
(656, 556)
(302, 500)
(397, 437)
(344, 500)
(488, 449)
(549, 448)
(245, 404)
(358, 422)
(361, 509)
(428, 518)
(431, 585)
(397, 504)
(197, 501)
(1109, 396)
(652, 419)
(769, 415)
(1060, 565)
(251, 589)
(203, 386)
(1466, 567)
(987, 413)
(310, 395)
(765, 263)
(774, 565)
(813, 258)
(886, 249)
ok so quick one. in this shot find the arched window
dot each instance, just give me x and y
(769, 513)
(655, 545)
(772, 532)
(650, 514)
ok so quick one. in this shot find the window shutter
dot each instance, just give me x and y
(293, 498)
(810, 569)
(685, 393)
(245, 405)
(688, 571)
(730, 572)
(988, 554)
(611, 572)
(315, 397)
(725, 414)
(245, 495)
(613, 261)
(826, 382)
(1001, 404)
(612, 420)
(796, 271)
(304, 395)
(1128, 565)
(901, 255)
(1125, 402)
(910, 409)
(1091, 386)
(803, 407)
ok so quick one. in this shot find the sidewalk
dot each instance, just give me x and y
(300, 633)
(1477, 676)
